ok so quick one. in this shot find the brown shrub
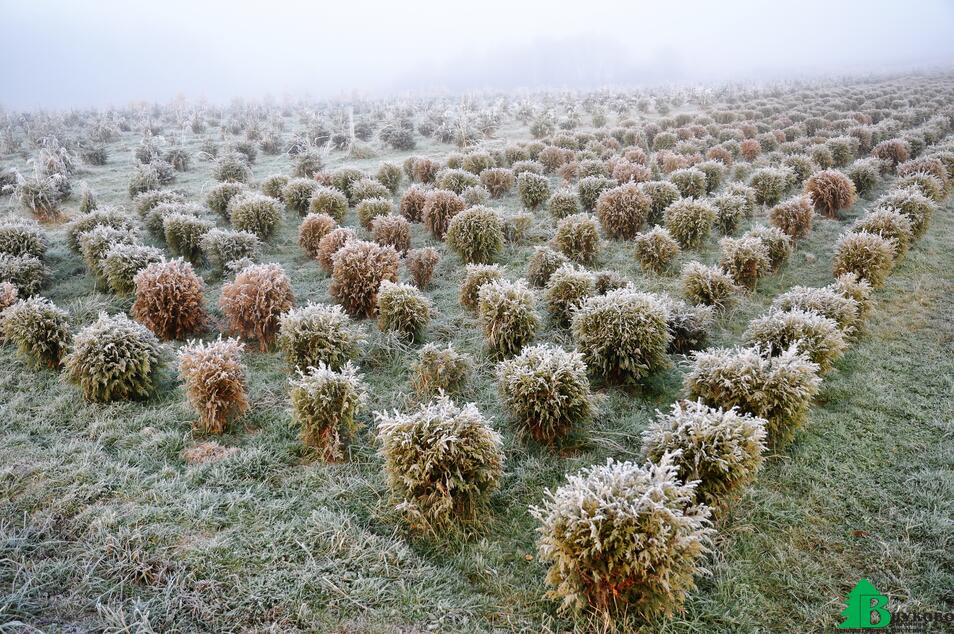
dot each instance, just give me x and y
(831, 191)
(793, 216)
(215, 381)
(255, 301)
(412, 202)
(313, 228)
(169, 299)
(622, 210)
(331, 243)
(359, 269)
(440, 206)
(421, 264)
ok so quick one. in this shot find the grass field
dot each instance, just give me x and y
(109, 520)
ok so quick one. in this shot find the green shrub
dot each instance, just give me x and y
(145, 177)
(94, 245)
(777, 388)
(113, 359)
(566, 290)
(255, 300)
(318, 334)
(867, 255)
(232, 167)
(390, 176)
(622, 210)
(325, 403)
(929, 185)
(22, 237)
(546, 391)
(402, 308)
(811, 333)
(39, 329)
(221, 246)
(721, 449)
(221, 195)
(359, 269)
(688, 325)
(865, 174)
(440, 206)
(857, 290)
(106, 217)
(367, 188)
(507, 315)
(329, 201)
(656, 249)
(889, 224)
(690, 181)
(274, 186)
(578, 237)
(371, 208)
(622, 335)
(730, 211)
(476, 234)
(26, 273)
(661, 195)
(533, 189)
(589, 189)
(542, 264)
(456, 180)
(255, 213)
(215, 382)
(708, 285)
(746, 260)
(690, 222)
(442, 463)
(475, 277)
(778, 243)
(844, 310)
(299, 195)
(123, 261)
(563, 203)
(146, 201)
(770, 184)
(184, 233)
(440, 370)
(169, 299)
(623, 537)
(912, 203)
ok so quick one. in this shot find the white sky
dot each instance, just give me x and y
(59, 53)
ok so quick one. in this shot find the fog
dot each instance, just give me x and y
(59, 54)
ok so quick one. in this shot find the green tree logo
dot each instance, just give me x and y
(864, 601)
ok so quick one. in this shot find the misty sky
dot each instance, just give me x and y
(81, 53)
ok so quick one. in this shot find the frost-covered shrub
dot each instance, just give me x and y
(94, 245)
(255, 213)
(22, 237)
(147, 201)
(394, 231)
(456, 180)
(215, 383)
(221, 195)
(721, 449)
(912, 203)
(402, 308)
(578, 237)
(851, 287)
(892, 151)
(8, 297)
(412, 202)
(155, 219)
(507, 315)
(929, 166)
(26, 273)
(145, 177)
(106, 217)
(123, 261)
(589, 189)
(367, 188)
(475, 277)
(688, 325)
(184, 233)
(169, 299)
(421, 264)
(274, 186)
(563, 203)
(39, 329)
(622, 210)
(221, 246)
(661, 195)
(325, 403)
(299, 195)
(867, 255)
(622, 335)
(306, 164)
(708, 285)
(255, 300)
(390, 176)
(690, 222)
(442, 463)
(714, 172)
(313, 228)
(546, 391)
(330, 244)
(928, 185)
(624, 537)
(770, 184)
(440, 370)
(817, 336)
(841, 308)
(232, 167)
(371, 208)
(440, 205)
(656, 249)
(113, 359)
(745, 260)
(533, 189)
(318, 334)
(542, 264)
(359, 268)
(498, 181)
(889, 224)
(793, 216)
(730, 211)
(865, 174)
(476, 234)
(778, 243)
(831, 191)
(777, 388)
(690, 181)
(565, 291)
